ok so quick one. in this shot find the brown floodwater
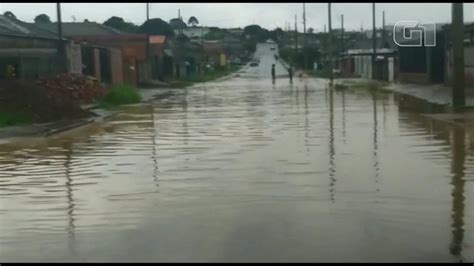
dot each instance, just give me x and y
(245, 170)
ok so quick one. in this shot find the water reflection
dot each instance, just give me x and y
(70, 200)
(343, 93)
(457, 170)
(455, 136)
(154, 155)
(238, 182)
(375, 144)
(332, 163)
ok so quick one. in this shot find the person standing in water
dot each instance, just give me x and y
(273, 71)
(290, 73)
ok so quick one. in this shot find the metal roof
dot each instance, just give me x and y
(20, 28)
(79, 28)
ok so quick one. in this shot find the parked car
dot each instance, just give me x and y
(254, 64)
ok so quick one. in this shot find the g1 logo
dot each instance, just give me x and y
(419, 35)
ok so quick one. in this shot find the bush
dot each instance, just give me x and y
(11, 119)
(121, 94)
(372, 86)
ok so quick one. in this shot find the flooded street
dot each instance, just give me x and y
(245, 170)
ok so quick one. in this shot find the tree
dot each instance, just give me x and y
(156, 26)
(193, 21)
(256, 33)
(177, 23)
(253, 34)
(276, 34)
(9, 15)
(310, 30)
(43, 18)
(119, 24)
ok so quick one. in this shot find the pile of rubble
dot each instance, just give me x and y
(77, 88)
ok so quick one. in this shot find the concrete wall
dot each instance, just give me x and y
(363, 66)
(129, 72)
(468, 66)
(74, 58)
(116, 66)
(97, 64)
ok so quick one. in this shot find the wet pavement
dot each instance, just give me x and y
(245, 170)
(440, 94)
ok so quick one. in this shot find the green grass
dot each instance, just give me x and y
(372, 86)
(340, 86)
(12, 119)
(120, 94)
(204, 77)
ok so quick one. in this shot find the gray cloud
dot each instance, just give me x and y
(239, 15)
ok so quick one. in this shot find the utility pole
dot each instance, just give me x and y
(331, 71)
(304, 37)
(150, 63)
(296, 37)
(384, 36)
(147, 11)
(61, 54)
(457, 26)
(180, 30)
(374, 38)
(342, 33)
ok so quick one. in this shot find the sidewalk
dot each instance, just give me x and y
(436, 93)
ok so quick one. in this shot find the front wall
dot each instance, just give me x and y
(18, 42)
(135, 50)
(97, 64)
(74, 56)
(116, 66)
(468, 63)
(129, 72)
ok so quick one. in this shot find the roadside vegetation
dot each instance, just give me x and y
(14, 118)
(204, 77)
(371, 86)
(120, 94)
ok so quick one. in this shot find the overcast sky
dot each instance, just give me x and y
(270, 16)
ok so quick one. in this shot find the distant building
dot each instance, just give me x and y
(356, 60)
(123, 58)
(193, 32)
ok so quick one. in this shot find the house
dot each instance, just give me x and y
(193, 32)
(236, 31)
(215, 53)
(188, 57)
(31, 51)
(357, 61)
(420, 63)
(130, 49)
(162, 60)
(100, 60)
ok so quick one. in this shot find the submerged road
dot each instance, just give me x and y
(245, 170)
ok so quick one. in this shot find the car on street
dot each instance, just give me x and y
(254, 64)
